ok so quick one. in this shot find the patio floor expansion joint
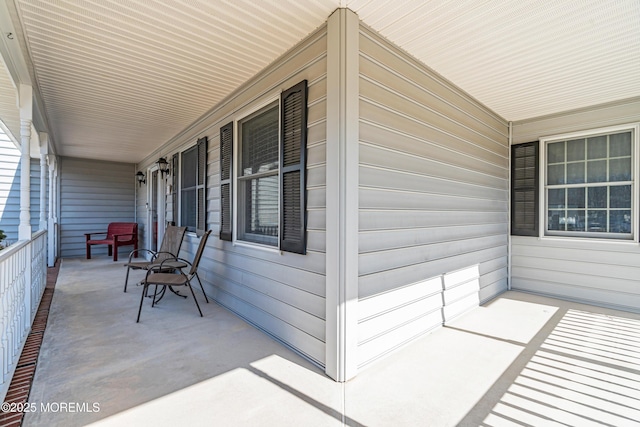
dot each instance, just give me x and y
(22, 380)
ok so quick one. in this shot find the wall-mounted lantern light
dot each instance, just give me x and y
(163, 166)
(142, 179)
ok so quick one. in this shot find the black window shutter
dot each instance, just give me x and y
(524, 189)
(226, 175)
(174, 189)
(201, 187)
(293, 166)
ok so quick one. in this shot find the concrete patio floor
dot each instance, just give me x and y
(519, 360)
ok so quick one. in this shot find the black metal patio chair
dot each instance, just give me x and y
(179, 278)
(169, 249)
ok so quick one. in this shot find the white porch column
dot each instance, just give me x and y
(52, 220)
(342, 195)
(24, 230)
(44, 142)
(26, 118)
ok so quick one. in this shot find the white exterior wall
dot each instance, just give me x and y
(281, 293)
(433, 206)
(433, 190)
(587, 270)
(10, 189)
(35, 173)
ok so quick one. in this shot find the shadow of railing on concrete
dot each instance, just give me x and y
(586, 372)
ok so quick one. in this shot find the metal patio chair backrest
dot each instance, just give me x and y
(171, 243)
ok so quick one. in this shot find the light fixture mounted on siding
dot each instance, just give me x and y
(163, 166)
(142, 179)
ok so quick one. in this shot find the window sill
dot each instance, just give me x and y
(257, 246)
(588, 240)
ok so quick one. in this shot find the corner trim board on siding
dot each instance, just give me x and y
(342, 194)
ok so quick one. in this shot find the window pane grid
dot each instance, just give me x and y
(192, 187)
(188, 188)
(260, 145)
(258, 180)
(590, 185)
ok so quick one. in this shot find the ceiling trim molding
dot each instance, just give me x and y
(611, 104)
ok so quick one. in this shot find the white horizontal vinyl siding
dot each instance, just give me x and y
(593, 271)
(280, 293)
(433, 196)
(9, 188)
(35, 174)
(599, 273)
(93, 194)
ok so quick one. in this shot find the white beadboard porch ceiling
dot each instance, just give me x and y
(121, 77)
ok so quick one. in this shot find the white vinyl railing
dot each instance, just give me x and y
(38, 270)
(23, 277)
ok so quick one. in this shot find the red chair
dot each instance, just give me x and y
(118, 234)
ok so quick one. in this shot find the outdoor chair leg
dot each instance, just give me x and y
(160, 295)
(126, 279)
(194, 298)
(144, 291)
(201, 287)
(155, 292)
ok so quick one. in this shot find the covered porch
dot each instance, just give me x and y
(519, 359)
(410, 114)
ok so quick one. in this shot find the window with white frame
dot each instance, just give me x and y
(258, 165)
(269, 157)
(590, 185)
(192, 192)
